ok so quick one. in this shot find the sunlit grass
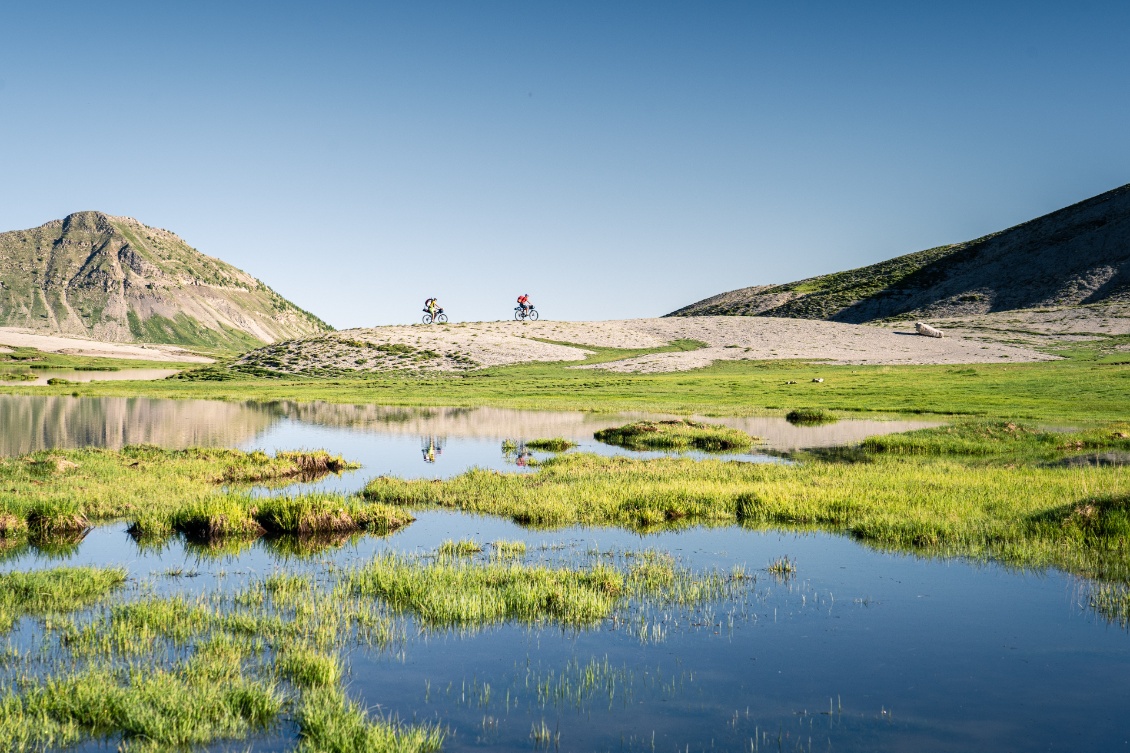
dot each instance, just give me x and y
(677, 434)
(1018, 509)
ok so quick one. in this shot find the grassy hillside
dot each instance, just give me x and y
(115, 279)
(1074, 256)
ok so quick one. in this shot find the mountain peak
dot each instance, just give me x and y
(117, 279)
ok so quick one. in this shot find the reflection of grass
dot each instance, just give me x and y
(1112, 603)
(1013, 508)
(678, 434)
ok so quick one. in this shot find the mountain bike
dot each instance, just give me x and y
(438, 318)
(522, 314)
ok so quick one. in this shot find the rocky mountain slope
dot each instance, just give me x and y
(117, 280)
(1074, 256)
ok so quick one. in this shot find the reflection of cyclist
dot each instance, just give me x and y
(431, 450)
(524, 302)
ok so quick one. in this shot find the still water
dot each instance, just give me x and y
(404, 442)
(860, 650)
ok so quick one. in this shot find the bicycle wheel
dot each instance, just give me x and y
(519, 315)
(427, 318)
(441, 318)
(533, 314)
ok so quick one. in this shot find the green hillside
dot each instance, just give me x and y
(115, 279)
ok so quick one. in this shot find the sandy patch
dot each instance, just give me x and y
(466, 346)
(77, 346)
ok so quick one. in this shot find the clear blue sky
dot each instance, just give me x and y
(612, 159)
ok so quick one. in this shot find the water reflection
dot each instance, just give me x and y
(407, 442)
(34, 422)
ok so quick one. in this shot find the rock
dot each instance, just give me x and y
(818, 379)
(926, 330)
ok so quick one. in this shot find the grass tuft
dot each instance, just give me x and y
(678, 434)
(556, 444)
(811, 417)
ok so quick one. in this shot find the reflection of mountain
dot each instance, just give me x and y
(483, 423)
(31, 422)
(34, 422)
(779, 434)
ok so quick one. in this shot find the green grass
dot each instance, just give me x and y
(554, 444)
(331, 723)
(155, 710)
(504, 548)
(678, 434)
(811, 416)
(1015, 507)
(1074, 391)
(37, 359)
(1005, 439)
(63, 491)
(62, 589)
(449, 592)
(462, 548)
(174, 672)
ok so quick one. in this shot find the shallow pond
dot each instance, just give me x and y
(859, 650)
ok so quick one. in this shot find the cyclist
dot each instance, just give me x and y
(431, 306)
(524, 302)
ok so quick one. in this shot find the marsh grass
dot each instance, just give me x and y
(782, 566)
(811, 416)
(304, 465)
(329, 722)
(449, 592)
(202, 700)
(504, 549)
(62, 589)
(461, 548)
(1112, 603)
(1073, 391)
(555, 444)
(1014, 441)
(677, 434)
(65, 491)
(169, 672)
(308, 668)
(1023, 512)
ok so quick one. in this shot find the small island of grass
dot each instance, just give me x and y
(554, 444)
(811, 417)
(678, 434)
